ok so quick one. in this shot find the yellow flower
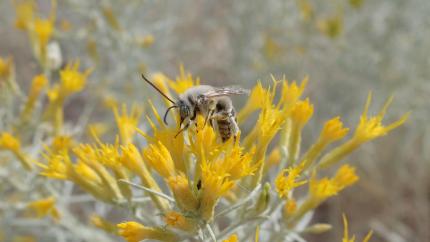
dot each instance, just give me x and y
(183, 82)
(131, 158)
(320, 190)
(45, 207)
(204, 142)
(345, 177)
(43, 29)
(232, 238)
(24, 13)
(285, 184)
(235, 163)
(133, 161)
(9, 142)
(158, 157)
(346, 233)
(302, 112)
(99, 159)
(214, 184)
(333, 130)
(258, 97)
(290, 94)
(5, 68)
(177, 220)
(127, 123)
(184, 197)
(369, 128)
(72, 80)
(135, 232)
(56, 167)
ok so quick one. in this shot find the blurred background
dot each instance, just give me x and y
(346, 47)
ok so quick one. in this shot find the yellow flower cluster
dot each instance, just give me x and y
(191, 176)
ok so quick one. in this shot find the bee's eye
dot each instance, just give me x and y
(185, 112)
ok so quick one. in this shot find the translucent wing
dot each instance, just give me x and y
(226, 91)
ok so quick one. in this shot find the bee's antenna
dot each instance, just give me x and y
(167, 111)
(156, 88)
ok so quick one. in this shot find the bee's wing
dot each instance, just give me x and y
(226, 91)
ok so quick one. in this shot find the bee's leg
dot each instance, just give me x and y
(183, 129)
(209, 116)
(235, 127)
(194, 117)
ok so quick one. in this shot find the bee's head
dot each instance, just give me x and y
(184, 110)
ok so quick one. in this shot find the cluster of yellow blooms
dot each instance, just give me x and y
(198, 169)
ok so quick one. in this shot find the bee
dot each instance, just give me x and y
(213, 103)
